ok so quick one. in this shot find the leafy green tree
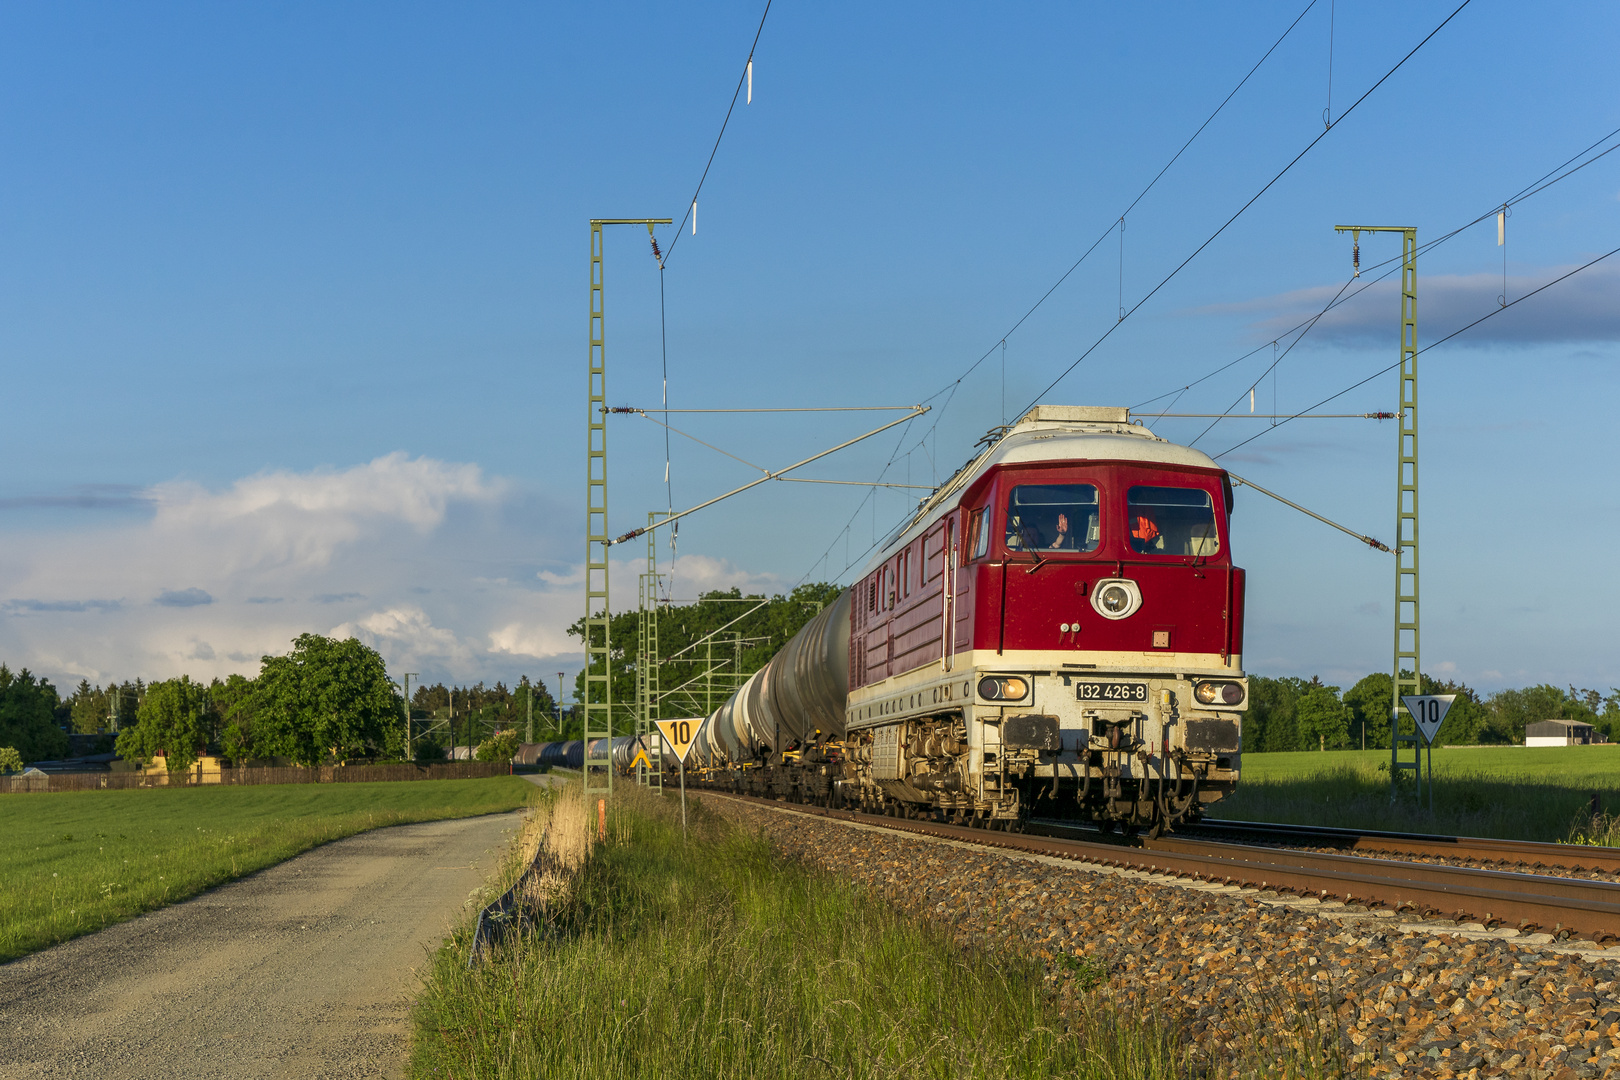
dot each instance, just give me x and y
(1323, 720)
(1368, 702)
(28, 716)
(88, 708)
(175, 720)
(234, 701)
(498, 747)
(1511, 710)
(1272, 722)
(10, 760)
(325, 702)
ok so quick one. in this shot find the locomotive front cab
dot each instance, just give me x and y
(1107, 638)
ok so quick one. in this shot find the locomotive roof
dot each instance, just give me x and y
(1055, 433)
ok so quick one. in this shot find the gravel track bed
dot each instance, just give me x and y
(1409, 998)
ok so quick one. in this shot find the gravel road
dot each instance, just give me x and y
(1409, 998)
(302, 970)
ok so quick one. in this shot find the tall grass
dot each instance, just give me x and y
(74, 862)
(1485, 798)
(712, 957)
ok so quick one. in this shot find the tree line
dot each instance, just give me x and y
(479, 713)
(327, 701)
(1307, 714)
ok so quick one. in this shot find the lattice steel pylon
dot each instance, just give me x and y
(1408, 673)
(647, 663)
(597, 704)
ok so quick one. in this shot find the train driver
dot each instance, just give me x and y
(1064, 540)
(1144, 530)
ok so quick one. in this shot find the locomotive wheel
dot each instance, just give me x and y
(1105, 825)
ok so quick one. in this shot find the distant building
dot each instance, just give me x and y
(1561, 733)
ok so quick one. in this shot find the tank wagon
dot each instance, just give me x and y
(571, 754)
(1058, 630)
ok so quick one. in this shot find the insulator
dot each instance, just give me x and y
(1355, 258)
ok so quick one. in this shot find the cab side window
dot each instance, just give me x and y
(978, 535)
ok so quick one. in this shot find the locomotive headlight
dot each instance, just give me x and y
(1002, 688)
(1116, 598)
(1218, 693)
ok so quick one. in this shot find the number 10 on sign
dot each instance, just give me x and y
(680, 735)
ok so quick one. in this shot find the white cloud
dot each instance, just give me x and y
(438, 567)
(406, 635)
(211, 580)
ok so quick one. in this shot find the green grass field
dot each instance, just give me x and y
(74, 862)
(1512, 792)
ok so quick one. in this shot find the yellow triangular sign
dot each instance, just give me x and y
(640, 758)
(680, 734)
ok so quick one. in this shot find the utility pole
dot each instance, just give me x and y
(409, 750)
(598, 699)
(528, 729)
(559, 702)
(452, 722)
(1408, 677)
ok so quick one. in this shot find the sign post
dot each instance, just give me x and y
(680, 735)
(1428, 711)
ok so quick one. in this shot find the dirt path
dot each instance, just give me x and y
(303, 970)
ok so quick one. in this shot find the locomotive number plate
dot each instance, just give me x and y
(1111, 691)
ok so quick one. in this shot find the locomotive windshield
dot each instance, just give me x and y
(1053, 517)
(1171, 521)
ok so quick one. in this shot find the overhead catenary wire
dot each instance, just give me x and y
(1252, 200)
(1278, 358)
(1112, 225)
(1460, 330)
(745, 78)
(949, 389)
(1369, 541)
(1392, 265)
(1213, 236)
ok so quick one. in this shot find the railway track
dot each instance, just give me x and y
(1462, 848)
(1575, 907)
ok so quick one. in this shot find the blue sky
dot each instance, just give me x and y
(293, 306)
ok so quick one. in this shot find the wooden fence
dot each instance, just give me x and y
(329, 774)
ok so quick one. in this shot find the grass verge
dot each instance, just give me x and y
(1511, 793)
(74, 862)
(714, 957)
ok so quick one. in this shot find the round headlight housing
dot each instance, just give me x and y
(1213, 692)
(1116, 598)
(1003, 688)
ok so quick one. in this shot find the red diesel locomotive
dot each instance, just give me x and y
(1058, 630)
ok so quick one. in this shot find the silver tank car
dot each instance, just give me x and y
(803, 689)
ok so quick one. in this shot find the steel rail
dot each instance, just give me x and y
(1479, 849)
(1428, 873)
(1490, 898)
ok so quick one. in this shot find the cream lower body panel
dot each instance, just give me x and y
(1169, 717)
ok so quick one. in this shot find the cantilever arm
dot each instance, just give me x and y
(916, 411)
(1369, 541)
